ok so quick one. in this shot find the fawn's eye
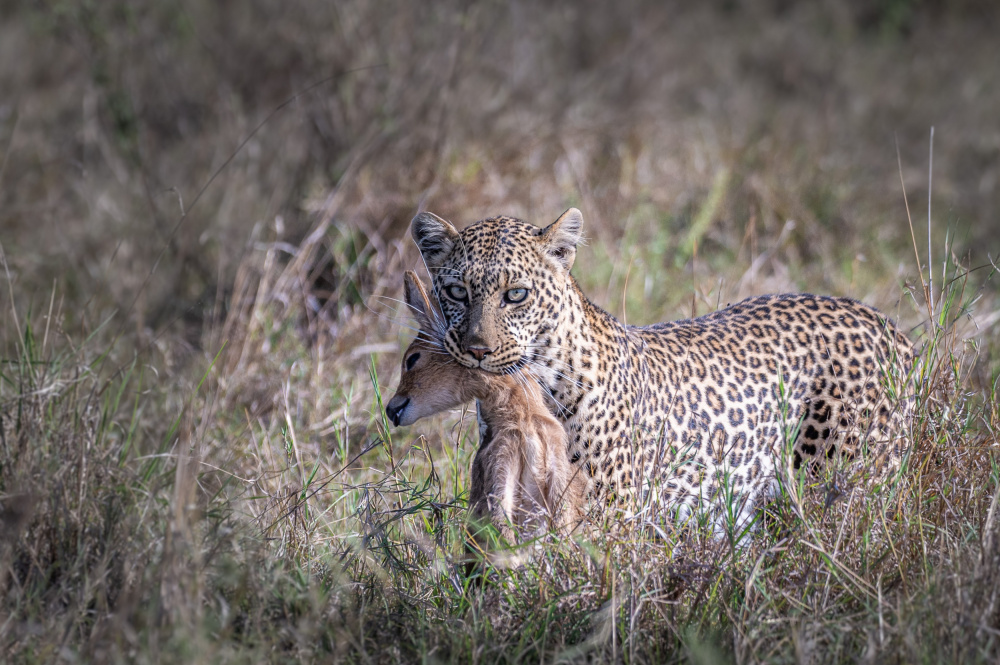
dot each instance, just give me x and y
(411, 361)
(456, 292)
(515, 296)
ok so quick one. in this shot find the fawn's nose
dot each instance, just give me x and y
(394, 409)
(479, 352)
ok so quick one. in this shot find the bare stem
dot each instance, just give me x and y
(913, 237)
(930, 182)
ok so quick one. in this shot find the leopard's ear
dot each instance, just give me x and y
(435, 238)
(560, 238)
(420, 303)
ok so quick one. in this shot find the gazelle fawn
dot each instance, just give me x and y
(521, 474)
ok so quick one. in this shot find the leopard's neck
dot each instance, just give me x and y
(585, 343)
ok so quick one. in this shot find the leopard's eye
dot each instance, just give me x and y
(456, 292)
(411, 361)
(515, 296)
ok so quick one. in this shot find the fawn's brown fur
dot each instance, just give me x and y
(521, 472)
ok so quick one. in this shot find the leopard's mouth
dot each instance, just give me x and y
(512, 367)
(496, 365)
(496, 368)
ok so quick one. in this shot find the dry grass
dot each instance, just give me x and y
(196, 327)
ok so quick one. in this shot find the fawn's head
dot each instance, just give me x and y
(430, 380)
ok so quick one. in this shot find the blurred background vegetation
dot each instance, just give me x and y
(203, 223)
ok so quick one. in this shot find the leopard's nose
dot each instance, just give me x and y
(479, 352)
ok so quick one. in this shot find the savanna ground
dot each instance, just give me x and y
(203, 223)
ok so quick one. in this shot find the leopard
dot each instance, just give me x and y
(679, 414)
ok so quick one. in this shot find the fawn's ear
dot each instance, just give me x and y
(435, 238)
(420, 303)
(560, 238)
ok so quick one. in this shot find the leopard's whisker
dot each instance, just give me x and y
(536, 364)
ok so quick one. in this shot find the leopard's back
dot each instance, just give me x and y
(723, 396)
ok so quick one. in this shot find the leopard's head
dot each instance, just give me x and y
(500, 283)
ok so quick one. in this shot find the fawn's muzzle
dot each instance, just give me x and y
(394, 409)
